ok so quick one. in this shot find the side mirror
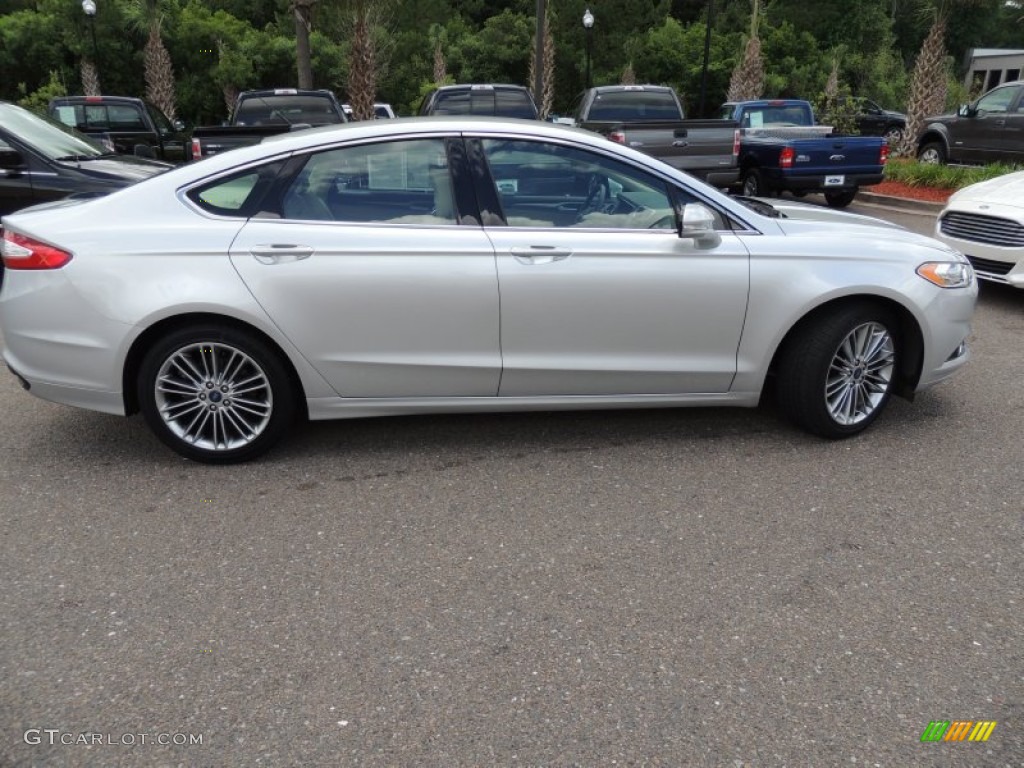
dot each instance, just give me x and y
(697, 223)
(11, 160)
(967, 110)
(178, 125)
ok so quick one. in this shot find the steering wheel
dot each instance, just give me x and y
(597, 196)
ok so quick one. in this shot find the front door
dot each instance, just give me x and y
(599, 294)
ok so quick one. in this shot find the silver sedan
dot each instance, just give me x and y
(461, 264)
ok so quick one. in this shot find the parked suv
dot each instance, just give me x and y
(497, 100)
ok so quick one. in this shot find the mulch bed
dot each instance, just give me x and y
(899, 189)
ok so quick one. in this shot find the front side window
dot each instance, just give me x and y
(394, 182)
(998, 100)
(550, 185)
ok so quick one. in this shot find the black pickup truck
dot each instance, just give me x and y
(258, 114)
(650, 118)
(987, 131)
(124, 124)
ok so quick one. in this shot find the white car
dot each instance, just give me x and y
(985, 221)
(464, 264)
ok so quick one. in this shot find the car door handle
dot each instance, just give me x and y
(280, 253)
(540, 254)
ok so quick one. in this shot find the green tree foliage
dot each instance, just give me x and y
(217, 47)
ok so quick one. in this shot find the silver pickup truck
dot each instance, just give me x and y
(650, 118)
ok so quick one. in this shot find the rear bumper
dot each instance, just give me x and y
(786, 182)
(720, 179)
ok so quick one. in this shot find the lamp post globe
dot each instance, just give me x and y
(588, 25)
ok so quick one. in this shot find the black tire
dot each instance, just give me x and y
(753, 184)
(932, 153)
(894, 135)
(836, 372)
(840, 198)
(199, 410)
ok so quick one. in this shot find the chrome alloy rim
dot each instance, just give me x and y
(213, 396)
(860, 374)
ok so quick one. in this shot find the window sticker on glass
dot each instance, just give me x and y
(387, 171)
(67, 116)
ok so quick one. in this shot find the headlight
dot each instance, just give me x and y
(947, 274)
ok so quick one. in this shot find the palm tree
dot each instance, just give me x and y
(366, 61)
(303, 12)
(547, 97)
(747, 81)
(928, 82)
(158, 70)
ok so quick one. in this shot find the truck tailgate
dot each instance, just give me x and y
(841, 154)
(687, 144)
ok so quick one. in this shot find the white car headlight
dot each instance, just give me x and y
(946, 274)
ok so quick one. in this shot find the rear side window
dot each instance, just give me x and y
(392, 182)
(239, 194)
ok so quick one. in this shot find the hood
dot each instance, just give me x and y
(803, 212)
(802, 219)
(126, 169)
(1005, 190)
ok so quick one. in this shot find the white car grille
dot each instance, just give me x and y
(977, 228)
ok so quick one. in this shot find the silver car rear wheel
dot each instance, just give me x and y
(215, 394)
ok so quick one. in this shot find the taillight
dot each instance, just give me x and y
(786, 157)
(197, 151)
(736, 143)
(20, 252)
(883, 156)
(618, 137)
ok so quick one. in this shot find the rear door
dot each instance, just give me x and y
(374, 265)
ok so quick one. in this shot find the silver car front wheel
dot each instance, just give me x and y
(215, 395)
(837, 372)
(860, 375)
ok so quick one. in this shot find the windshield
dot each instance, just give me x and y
(48, 137)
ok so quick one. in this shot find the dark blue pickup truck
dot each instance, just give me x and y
(782, 149)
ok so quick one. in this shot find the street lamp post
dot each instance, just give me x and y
(89, 6)
(588, 25)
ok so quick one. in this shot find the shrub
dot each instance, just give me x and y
(915, 174)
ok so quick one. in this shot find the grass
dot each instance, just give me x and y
(915, 174)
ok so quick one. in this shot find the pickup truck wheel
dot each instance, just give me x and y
(840, 198)
(753, 184)
(894, 135)
(836, 373)
(932, 153)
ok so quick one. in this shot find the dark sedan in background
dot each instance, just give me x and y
(42, 160)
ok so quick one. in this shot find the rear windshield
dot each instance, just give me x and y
(286, 110)
(633, 106)
(497, 101)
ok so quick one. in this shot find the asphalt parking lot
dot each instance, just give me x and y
(664, 588)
